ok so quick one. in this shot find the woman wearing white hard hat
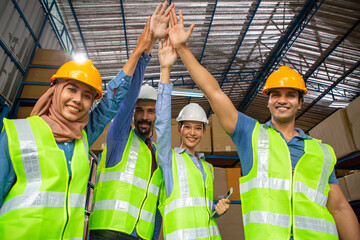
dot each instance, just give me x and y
(186, 199)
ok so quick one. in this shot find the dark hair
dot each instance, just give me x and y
(181, 123)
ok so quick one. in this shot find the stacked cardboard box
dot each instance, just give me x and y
(222, 143)
(99, 145)
(350, 185)
(335, 131)
(224, 179)
(43, 57)
(353, 114)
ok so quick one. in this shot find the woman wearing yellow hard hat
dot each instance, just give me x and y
(44, 165)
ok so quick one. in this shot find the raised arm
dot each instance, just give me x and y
(220, 103)
(167, 57)
(345, 218)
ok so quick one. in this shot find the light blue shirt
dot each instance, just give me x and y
(98, 119)
(163, 141)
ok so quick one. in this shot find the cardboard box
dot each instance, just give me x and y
(231, 225)
(335, 131)
(353, 186)
(24, 112)
(40, 75)
(232, 177)
(342, 184)
(220, 183)
(222, 143)
(353, 113)
(33, 91)
(99, 144)
(50, 57)
(341, 172)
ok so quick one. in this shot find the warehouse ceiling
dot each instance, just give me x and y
(239, 42)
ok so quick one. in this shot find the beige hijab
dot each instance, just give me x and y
(48, 108)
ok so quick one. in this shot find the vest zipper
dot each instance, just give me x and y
(146, 195)
(67, 199)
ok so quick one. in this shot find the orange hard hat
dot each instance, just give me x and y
(284, 77)
(84, 72)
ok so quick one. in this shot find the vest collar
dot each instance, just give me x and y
(299, 130)
(181, 150)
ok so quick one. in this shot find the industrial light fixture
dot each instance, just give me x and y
(79, 58)
(184, 92)
(339, 104)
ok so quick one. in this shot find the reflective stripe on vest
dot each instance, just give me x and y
(186, 200)
(262, 180)
(36, 190)
(131, 175)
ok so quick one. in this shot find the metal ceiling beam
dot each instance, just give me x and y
(78, 27)
(328, 52)
(207, 34)
(124, 26)
(25, 21)
(282, 47)
(48, 8)
(339, 80)
(243, 33)
(12, 56)
(206, 38)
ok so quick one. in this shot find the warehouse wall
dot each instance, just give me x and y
(16, 37)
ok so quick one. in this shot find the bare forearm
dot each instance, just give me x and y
(130, 65)
(347, 223)
(206, 82)
(165, 75)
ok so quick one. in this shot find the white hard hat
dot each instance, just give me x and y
(192, 112)
(147, 93)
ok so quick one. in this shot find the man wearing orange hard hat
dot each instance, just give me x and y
(288, 189)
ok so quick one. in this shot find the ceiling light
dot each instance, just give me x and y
(339, 104)
(187, 92)
(79, 58)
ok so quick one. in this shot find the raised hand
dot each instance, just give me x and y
(177, 34)
(167, 54)
(160, 20)
(144, 40)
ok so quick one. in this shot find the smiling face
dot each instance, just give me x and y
(283, 104)
(144, 117)
(75, 100)
(191, 133)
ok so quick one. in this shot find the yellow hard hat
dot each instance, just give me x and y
(84, 72)
(284, 77)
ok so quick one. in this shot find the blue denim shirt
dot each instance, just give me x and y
(98, 119)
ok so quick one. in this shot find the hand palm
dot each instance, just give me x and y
(158, 26)
(167, 56)
(177, 35)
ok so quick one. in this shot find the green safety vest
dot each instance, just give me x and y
(275, 202)
(43, 203)
(126, 195)
(186, 213)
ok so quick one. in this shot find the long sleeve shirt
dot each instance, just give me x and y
(98, 119)
(163, 141)
(119, 130)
